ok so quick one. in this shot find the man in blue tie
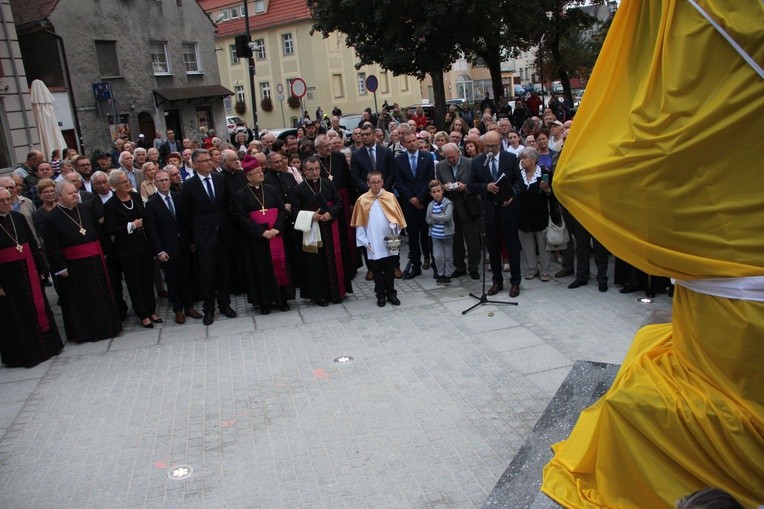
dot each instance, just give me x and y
(170, 246)
(414, 169)
(501, 217)
(203, 211)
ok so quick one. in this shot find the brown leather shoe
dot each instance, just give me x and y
(193, 313)
(397, 273)
(495, 288)
(514, 291)
(180, 318)
(369, 276)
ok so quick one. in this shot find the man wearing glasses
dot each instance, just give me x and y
(501, 216)
(203, 212)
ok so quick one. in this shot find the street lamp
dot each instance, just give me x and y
(251, 58)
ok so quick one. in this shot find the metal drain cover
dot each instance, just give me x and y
(180, 472)
(344, 359)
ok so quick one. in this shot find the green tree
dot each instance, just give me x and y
(402, 36)
(570, 41)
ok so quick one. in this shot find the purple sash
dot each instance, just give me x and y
(11, 254)
(278, 253)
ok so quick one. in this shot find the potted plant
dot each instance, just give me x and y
(293, 102)
(266, 104)
(240, 107)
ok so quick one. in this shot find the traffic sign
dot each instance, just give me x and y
(280, 88)
(372, 83)
(298, 87)
(280, 96)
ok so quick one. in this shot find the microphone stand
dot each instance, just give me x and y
(483, 299)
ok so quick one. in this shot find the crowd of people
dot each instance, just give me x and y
(200, 220)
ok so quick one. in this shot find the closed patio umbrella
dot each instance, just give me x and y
(47, 123)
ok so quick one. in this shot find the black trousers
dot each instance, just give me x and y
(177, 277)
(139, 278)
(584, 245)
(467, 232)
(213, 278)
(384, 277)
(507, 232)
(416, 228)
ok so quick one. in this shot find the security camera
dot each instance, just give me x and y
(219, 18)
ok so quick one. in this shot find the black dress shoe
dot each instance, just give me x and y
(148, 325)
(602, 287)
(229, 312)
(394, 301)
(381, 302)
(495, 288)
(458, 273)
(577, 283)
(514, 291)
(265, 310)
(413, 273)
(208, 319)
(475, 275)
(284, 307)
(627, 288)
(157, 320)
(322, 302)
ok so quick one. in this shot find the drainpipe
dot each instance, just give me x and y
(19, 89)
(68, 81)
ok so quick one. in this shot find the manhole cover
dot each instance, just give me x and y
(343, 360)
(180, 472)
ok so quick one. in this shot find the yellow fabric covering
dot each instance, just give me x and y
(664, 165)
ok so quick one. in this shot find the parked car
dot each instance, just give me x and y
(234, 122)
(351, 121)
(282, 132)
(429, 110)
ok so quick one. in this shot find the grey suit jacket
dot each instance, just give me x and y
(446, 175)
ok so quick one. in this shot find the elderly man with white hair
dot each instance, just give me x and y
(127, 164)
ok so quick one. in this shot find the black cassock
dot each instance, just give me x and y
(267, 276)
(87, 303)
(232, 234)
(336, 167)
(30, 335)
(328, 273)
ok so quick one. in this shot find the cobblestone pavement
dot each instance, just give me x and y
(429, 413)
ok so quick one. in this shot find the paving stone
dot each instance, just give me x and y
(428, 414)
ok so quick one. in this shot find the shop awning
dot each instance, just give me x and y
(189, 94)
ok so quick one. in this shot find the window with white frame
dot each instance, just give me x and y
(258, 50)
(226, 14)
(234, 56)
(361, 83)
(239, 89)
(265, 89)
(191, 58)
(159, 60)
(235, 13)
(287, 43)
(259, 6)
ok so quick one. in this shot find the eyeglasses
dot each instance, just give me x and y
(122, 182)
(204, 160)
(159, 181)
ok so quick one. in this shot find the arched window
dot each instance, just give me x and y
(464, 88)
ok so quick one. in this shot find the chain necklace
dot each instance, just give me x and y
(327, 170)
(83, 231)
(15, 236)
(263, 210)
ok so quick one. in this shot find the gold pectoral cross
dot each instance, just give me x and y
(263, 210)
(83, 231)
(19, 248)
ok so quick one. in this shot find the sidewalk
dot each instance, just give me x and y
(429, 412)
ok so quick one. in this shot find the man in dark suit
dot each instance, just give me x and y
(171, 248)
(203, 211)
(454, 172)
(373, 156)
(414, 169)
(501, 219)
